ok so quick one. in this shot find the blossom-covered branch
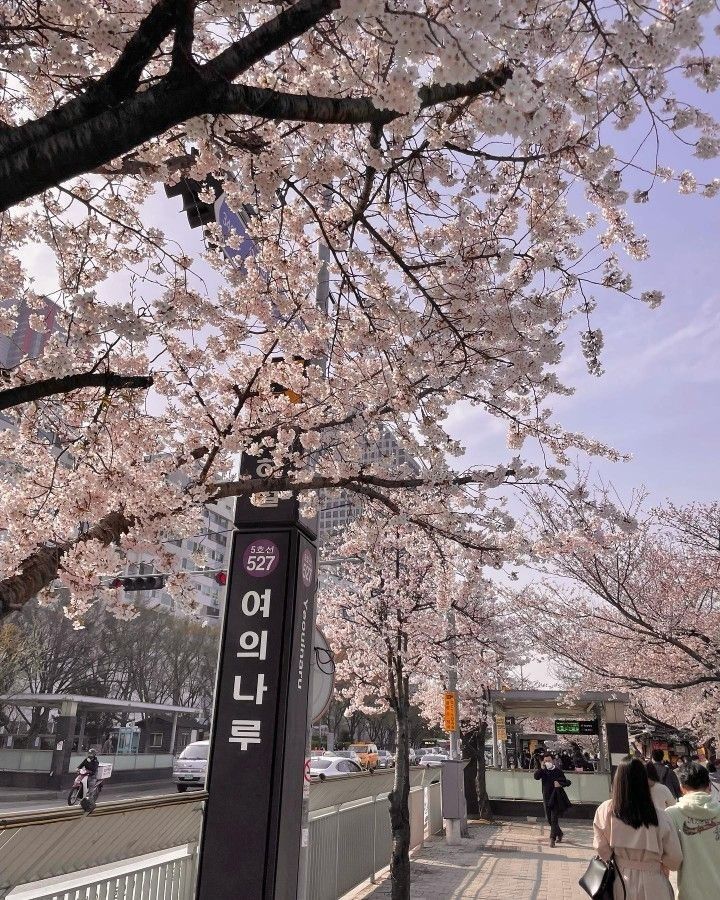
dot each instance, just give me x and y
(48, 387)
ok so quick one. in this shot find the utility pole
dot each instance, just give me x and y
(454, 826)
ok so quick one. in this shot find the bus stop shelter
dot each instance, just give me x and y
(30, 766)
(589, 712)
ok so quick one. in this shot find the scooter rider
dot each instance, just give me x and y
(91, 763)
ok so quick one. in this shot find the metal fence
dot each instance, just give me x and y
(145, 847)
(62, 855)
(350, 844)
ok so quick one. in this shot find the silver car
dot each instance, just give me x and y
(190, 767)
(385, 759)
(333, 767)
(433, 759)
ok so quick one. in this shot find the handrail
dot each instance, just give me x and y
(46, 816)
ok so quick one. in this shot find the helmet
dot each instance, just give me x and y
(92, 752)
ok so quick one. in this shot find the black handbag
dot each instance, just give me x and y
(599, 879)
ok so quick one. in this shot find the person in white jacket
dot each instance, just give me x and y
(661, 795)
(641, 837)
(696, 816)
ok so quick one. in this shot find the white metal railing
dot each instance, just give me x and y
(350, 844)
(168, 874)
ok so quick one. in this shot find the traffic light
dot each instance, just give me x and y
(198, 213)
(139, 582)
(221, 578)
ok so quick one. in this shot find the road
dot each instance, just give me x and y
(10, 803)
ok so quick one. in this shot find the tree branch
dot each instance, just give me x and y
(118, 83)
(267, 38)
(279, 106)
(37, 390)
(118, 129)
(40, 569)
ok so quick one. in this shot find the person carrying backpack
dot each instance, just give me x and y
(666, 775)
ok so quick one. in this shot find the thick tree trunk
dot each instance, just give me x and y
(484, 808)
(474, 748)
(400, 798)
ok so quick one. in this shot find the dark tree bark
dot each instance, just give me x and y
(400, 795)
(112, 117)
(38, 390)
(474, 748)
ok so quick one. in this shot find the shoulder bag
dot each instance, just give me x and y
(599, 879)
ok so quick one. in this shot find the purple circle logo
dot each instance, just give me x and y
(261, 558)
(307, 567)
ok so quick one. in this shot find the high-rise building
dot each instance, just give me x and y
(339, 507)
(25, 341)
(212, 544)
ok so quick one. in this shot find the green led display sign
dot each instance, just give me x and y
(573, 726)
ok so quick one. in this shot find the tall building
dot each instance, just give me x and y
(339, 507)
(213, 543)
(24, 341)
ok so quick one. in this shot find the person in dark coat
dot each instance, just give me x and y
(666, 775)
(554, 798)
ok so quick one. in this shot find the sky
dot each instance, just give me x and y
(659, 398)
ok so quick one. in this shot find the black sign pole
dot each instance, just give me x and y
(255, 823)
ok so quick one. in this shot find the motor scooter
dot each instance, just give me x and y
(79, 791)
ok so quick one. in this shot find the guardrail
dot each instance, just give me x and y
(351, 843)
(131, 845)
(147, 849)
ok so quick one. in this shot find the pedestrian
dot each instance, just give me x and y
(697, 819)
(641, 837)
(661, 795)
(666, 775)
(555, 799)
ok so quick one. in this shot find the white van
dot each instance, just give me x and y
(190, 767)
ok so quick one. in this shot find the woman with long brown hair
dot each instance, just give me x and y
(640, 836)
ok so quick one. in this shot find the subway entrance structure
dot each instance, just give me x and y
(599, 715)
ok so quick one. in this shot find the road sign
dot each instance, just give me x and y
(450, 711)
(574, 726)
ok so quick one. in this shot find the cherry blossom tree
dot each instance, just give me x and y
(637, 603)
(453, 159)
(397, 603)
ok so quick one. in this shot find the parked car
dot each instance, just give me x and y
(333, 766)
(190, 767)
(368, 754)
(385, 759)
(346, 754)
(433, 759)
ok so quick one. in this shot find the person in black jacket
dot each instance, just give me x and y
(554, 798)
(666, 775)
(91, 763)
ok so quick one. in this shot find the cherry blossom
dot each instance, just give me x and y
(455, 160)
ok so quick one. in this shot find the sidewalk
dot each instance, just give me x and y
(510, 860)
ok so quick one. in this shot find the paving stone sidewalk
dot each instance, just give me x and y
(509, 860)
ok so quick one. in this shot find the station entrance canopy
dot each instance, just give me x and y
(584, 713)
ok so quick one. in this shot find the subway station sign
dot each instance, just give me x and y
(575, 726)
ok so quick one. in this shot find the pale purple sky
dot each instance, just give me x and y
(659, 398)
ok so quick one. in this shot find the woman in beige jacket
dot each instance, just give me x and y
(642, 837)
